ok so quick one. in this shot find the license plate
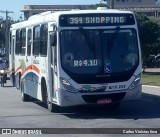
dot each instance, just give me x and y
(104, 101)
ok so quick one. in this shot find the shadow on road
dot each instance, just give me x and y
(147, 107)
(7, 86)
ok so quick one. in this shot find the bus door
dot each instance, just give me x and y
(28, 60)
(12, 59)
(53, 45)
(31, 60)
(20, 51)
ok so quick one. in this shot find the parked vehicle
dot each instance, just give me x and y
(3, 73)
(153, 61)
(148, 62)
(157, 61)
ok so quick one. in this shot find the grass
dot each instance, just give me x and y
(151, 78)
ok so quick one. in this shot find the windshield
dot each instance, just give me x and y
(99, 52)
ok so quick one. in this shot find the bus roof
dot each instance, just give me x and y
(51, 16)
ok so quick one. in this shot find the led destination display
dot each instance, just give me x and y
(96, 19)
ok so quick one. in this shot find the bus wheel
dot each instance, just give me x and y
(45, 97)
(24, 96)
(50, 105)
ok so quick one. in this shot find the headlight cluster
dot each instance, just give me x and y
(67, 85)
(135, 82)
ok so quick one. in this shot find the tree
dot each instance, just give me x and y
(3, 30)
(95, 6)
(2, 37)
(149, 32)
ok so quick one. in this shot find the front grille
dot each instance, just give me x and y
(116, 97)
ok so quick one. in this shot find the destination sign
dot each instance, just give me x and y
(96, 19)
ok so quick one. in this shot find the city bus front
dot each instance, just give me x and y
(100, 59)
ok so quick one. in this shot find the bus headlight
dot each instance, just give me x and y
(135, 82)
(67, 85)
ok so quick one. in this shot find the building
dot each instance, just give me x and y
(30, 10)
(149, 7)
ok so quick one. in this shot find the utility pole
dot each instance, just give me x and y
(103, 1)
(7, 33)
(111, 4)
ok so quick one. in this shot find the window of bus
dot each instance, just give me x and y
(29, 38)
(44, 38)
(99, 51)
(119, 47)
(23, 42)
(81, 51)
(17, 49)
(36, 40)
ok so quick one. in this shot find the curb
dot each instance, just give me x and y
(152, 90)
(150, 86)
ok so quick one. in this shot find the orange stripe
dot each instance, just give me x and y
(35, 69)
(31, 67)
(26, 69)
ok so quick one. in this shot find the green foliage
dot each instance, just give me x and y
(94, 6)
(3, 31)
(149, 32)
(2, 36)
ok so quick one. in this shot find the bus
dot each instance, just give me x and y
(77, 57)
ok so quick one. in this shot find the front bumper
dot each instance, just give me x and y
(73, 99)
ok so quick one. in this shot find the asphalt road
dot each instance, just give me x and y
(144, 113)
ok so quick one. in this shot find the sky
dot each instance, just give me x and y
(17, 5)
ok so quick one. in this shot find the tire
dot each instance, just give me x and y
(43, 90)
(45, 98)
(50, 106)
(48, 103)
(25, 97)
(2, 81)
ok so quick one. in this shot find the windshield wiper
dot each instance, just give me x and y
(113, 40)
(89, 40)
(114, 37)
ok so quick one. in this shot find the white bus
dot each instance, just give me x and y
(77, 57)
